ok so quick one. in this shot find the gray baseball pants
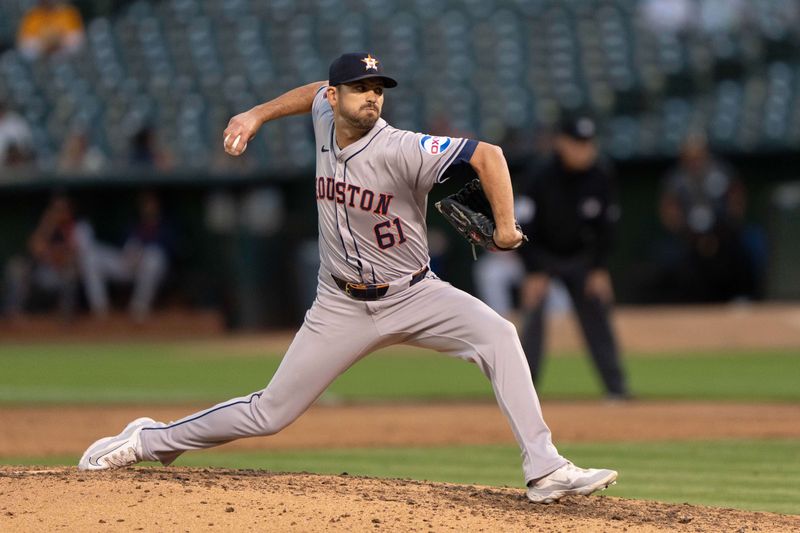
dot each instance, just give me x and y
(338, 331)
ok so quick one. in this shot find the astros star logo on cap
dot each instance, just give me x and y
(371, 62)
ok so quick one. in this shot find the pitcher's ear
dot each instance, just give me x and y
(332, 93)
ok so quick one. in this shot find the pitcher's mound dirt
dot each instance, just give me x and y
(183, 499)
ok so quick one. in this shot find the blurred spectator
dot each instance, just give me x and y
(51, 27)
(52, 263)
(16, 139)
(146, 152)
(668, 16)
(441, 124)
(497, 279)
(79, 156)
(143, 261)
(703, 257)
(572, 210)
(721, 16)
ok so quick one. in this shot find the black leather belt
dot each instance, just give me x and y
(373, 291)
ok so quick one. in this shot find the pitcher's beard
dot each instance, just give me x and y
(360, 122)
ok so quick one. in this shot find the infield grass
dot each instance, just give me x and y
(180, 373)
(756, 475)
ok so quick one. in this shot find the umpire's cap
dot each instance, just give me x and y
(356, 66)
(578, 126)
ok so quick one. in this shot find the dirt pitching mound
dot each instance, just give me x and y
(184, 499)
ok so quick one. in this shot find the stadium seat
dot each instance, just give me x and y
(476, 67)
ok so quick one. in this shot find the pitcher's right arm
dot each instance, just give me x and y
(244, 126)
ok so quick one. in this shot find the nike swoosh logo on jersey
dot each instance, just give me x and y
(325, 149)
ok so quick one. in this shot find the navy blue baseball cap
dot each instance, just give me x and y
(356, 66)
(579, 127)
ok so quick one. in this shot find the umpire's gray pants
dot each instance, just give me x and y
(338, 331)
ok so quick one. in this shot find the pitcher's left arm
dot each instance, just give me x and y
(490, 164)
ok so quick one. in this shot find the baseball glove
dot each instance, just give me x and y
(470, 213)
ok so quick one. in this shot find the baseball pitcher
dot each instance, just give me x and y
(375, 286)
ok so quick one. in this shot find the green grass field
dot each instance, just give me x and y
(166, 373)
(747, 474)
(753, 474)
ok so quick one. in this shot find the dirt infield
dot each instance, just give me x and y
(651, 329)
(40, 431)
(182, 499)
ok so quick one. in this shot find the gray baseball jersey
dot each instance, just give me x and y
(372, 196)
(371, 199)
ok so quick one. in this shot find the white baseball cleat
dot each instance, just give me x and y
(121, 450)
(570, 480)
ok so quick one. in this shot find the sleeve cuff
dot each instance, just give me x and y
(462, 155)
(466, 151)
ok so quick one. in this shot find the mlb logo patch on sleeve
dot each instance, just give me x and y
(435, 145)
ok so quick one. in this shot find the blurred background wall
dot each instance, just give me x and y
(136, 96)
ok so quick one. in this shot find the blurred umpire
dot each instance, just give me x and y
(572, 209)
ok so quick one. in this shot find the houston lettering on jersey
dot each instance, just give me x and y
(353, 195)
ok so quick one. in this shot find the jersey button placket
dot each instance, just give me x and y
(341, 214)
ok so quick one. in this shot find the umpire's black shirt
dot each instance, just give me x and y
(571, 217)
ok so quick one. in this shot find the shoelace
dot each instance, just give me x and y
(572, 469)
(575, 469)
(122, 457)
